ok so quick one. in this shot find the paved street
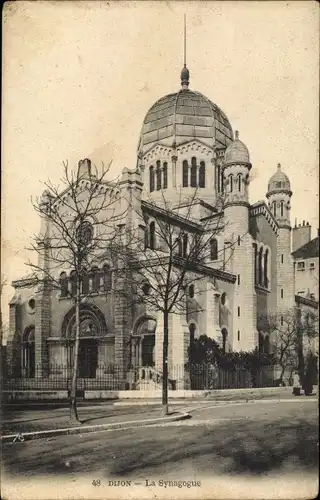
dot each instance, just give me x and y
(247, 439)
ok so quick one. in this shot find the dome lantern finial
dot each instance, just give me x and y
(185, 72)
(237, 134)
(279, 166)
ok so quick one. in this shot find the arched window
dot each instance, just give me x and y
(185, 245)
(63, 285)
(185, 173)
(28, 352)
(265, 269)
(231, 183)
(84, 233)
(239, 182)
(73, 281)
(193, 172)
(165, 175)
(224, 339)
(146, 238)
(281, 208)
(213, 249)
(146, 288)
(107, 283)
(152, 235)
(192, 330)
(151, 178)
(218, 178)
(179, 247)
(260, 265)
(255, 263)
(191, 291)
(261, 343)
(274, 205)
(202, 175)
(95, 276)
(158, 174)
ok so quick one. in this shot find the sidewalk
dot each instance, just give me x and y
(30, 420)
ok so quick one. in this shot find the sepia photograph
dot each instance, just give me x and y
(160, 250)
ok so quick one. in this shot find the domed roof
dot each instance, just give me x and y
(237, 152)
(279, 181)
(182, 116)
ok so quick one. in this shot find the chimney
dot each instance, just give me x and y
(84, 168)
(301, 235)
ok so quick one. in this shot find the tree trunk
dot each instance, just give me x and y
(165, 365)
(73, 393)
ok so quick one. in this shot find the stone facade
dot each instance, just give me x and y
(251, 274)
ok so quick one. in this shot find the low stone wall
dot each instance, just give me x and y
(34, 395)
(43, 395)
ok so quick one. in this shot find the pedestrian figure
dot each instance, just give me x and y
(307, 382)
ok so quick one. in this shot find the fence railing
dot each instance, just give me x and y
(113, 377)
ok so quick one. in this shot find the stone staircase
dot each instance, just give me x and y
(149, 378)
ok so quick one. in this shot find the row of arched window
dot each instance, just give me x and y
(93, 280)
(264, 344)
(275, 211)
(158, 177)
(181, 243)
(194, 175)
(235, 183)
(261, 259)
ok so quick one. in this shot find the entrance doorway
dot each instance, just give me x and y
(147, 352)
(88, 358)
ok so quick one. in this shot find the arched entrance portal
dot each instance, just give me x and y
(92, 329)
(28, 353)
(144, 345)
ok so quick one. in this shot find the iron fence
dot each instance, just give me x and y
(113, 377)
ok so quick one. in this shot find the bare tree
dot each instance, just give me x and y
(290, 331)
(79, 225)
(180, 247)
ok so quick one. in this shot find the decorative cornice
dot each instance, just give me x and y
(24, 283)
(157, 151)
(307, 302)
(234, 163)
(237, 203)
(262, 209)
(278, 191)
(151, 208)
(195, 145)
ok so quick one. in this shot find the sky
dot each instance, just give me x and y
(79, 78)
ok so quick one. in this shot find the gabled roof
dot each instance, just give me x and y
(307, 251)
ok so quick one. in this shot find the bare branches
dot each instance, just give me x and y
(176, 246)
(79, 224)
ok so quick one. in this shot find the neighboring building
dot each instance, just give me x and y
(186, 142)
(306, 262)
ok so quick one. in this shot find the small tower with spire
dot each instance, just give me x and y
(185, 75)
(238, 249)
(278, 196)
